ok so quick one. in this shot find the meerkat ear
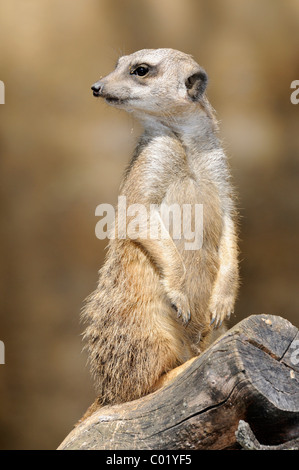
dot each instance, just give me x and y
(196, 84)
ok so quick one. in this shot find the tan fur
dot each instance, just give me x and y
(134, 334)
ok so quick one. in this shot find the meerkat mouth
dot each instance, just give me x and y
(108, 98)
(114, 100)
(97, 94)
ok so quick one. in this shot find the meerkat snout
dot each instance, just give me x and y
(96, 89)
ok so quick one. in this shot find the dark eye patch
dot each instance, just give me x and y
(140, 70)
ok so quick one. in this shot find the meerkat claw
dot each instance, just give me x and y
(213, 318)
(175, 308)
(185, 318)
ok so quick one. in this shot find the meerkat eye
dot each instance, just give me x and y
(141, 70)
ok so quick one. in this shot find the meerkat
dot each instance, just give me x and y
(157, 304)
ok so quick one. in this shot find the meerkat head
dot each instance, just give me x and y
(154, 82)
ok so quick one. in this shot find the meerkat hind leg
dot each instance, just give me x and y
(168, 377)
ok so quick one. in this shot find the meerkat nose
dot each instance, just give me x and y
(97, 89)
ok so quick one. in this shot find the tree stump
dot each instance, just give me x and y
(251, 373)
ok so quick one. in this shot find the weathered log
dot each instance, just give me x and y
(248, 441)
(251, 373)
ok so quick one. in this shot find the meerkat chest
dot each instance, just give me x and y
(191, 209)
(162, 175)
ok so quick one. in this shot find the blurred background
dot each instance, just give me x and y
(62, 152)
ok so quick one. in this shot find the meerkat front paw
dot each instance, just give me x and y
(221, 309)
(180, 303)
